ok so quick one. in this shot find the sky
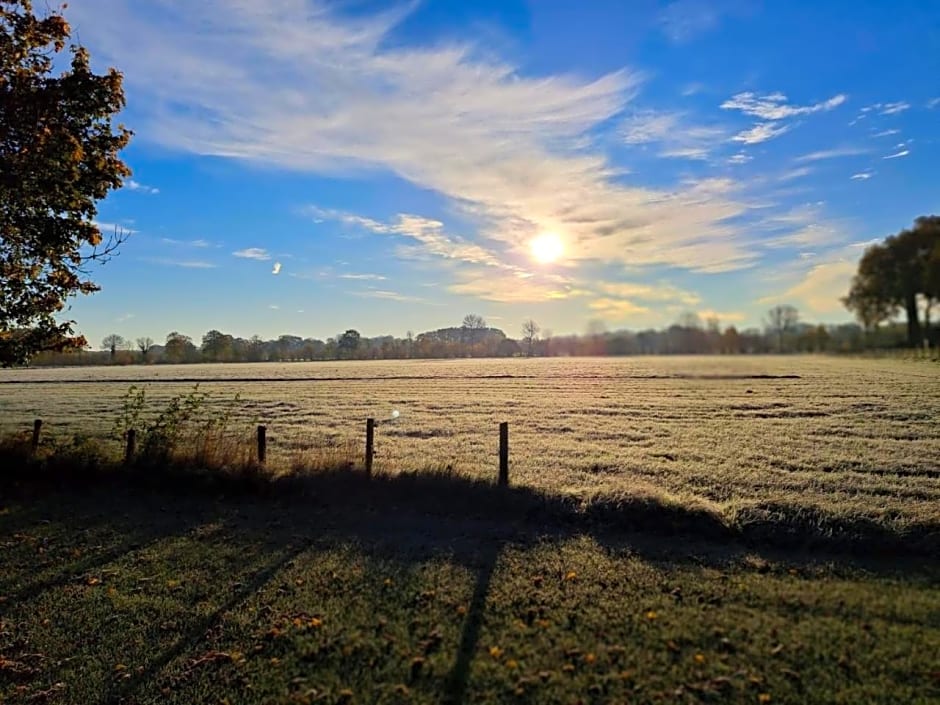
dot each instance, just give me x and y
(307, 166)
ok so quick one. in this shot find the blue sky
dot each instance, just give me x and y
(303, 166)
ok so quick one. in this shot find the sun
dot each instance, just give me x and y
(546, 248)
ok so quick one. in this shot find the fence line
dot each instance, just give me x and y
(130, 447)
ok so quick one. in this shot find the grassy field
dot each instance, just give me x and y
(756, 530)
(827, 442)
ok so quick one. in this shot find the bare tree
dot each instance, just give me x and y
(472, 328)
(113, 343)
(530, 333)
(473, 321)
(144, 345)
(781, 321)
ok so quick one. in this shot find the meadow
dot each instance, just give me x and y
(825, 441)
(743, 530)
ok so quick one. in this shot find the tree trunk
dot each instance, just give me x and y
(913, 320)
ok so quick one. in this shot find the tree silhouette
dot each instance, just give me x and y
(144, 345)
(473, 321)
(473, 328)
(900, 273)
(348, 343)
(179, 348)
(113, 343)
(58, 158)
(781, 321)
(530, 333)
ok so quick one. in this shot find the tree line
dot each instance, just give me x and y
(783, 332)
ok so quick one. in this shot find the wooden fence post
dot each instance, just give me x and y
(370, 445)
(262, 444)
(37, 429)
(131, 448)
(504, 454)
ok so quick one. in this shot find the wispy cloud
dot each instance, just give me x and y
(132, 185)
(862, 175)
(662, 292)
(255, 253)
(185, 263)
(797, 173)
(124, 318)
(363, 277)
(820, 289)
(389, 296)
(933, 103)
(186, 243)
(761, 132)
(620, 301)
(739, 158)
(427, 232)
(676, 137)
(897, 155)
(894, 108)
(803, 226)
(684, 20)
(301, 87)
(108, 228)
(517, 288)
(886, 133)
(831, 154)
(772, 108)
(616, 310)
(775, 106)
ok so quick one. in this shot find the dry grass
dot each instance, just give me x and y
(765, 443)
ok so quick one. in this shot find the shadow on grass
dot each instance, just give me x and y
(459, 676)
(638, 509)
(414, 516)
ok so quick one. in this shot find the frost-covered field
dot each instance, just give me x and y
(836, 437)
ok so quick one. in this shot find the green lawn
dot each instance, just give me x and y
(125, 596)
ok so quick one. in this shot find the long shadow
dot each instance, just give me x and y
(191, 638)
(459, 676)
(472, 523)
(74, 516)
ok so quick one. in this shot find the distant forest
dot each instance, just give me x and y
(783, 332)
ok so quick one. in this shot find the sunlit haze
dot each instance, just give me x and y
(546, 248)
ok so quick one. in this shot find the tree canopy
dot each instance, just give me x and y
(59, 156)
(901, 273)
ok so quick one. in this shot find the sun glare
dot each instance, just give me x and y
(546, 248)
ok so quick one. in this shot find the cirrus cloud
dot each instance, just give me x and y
(255, 253)
(775, 106)
(297, 84)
